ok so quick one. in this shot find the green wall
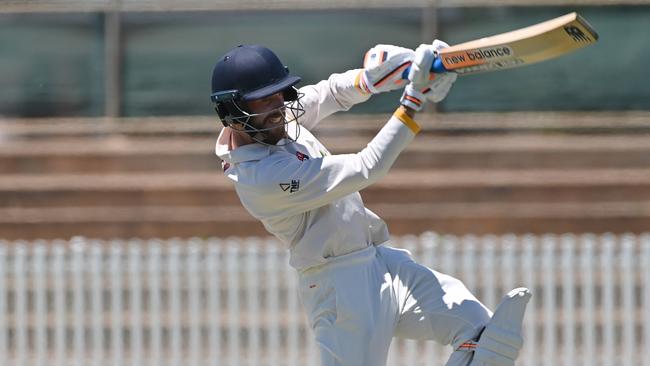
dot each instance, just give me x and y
(52, 64)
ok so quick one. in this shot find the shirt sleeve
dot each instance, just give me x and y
(283, 186)
(338, 93)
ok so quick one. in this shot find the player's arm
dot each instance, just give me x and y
(282, 185)
(381, 72)
(286, 186)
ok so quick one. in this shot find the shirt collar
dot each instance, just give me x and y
(243, 153)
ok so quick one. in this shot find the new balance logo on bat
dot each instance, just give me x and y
(480, 55)
(576, 34)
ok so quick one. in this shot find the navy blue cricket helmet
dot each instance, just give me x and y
(245, 73)
(253, 71)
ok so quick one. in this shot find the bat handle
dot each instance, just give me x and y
(437, 68)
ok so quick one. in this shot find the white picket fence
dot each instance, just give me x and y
(233, 301)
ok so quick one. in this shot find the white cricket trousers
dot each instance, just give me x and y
(358, 302)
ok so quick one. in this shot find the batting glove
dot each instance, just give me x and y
(439, 88)
(383, 67)
(425, 85)
(419, 77)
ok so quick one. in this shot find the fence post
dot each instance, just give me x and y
(115, 268)
(487, 271)
(468, 264)
(96, 270)
(550, 315)
(508, 270)
(450, 264)
(194, 283)
(273, 305)
(135, 306)
(214, 300)
(568, 301)
(173, 311)
(78, 249)
(253, 308)
(607, 273)
(645, 308)
(58, 288)
(40, 303)
(154, 272)
(628, 285)
(233, 303)
(4, 357)
(588, 299)
(20, 303)
(530, 267)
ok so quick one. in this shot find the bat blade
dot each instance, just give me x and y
(525, 46)
(543, 41)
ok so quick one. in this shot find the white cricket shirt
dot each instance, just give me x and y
(308, 198)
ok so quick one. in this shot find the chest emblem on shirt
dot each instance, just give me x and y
(301, 156)
(292, 187)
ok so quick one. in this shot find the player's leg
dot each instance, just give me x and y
(433, 305)
(439, 307)
(500, 341)
(320, 305)
(351, 310)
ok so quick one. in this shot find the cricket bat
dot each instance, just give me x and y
(543, 41)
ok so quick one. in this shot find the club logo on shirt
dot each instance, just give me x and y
(292, 187)
(301, 156)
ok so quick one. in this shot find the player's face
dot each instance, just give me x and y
(272, 117)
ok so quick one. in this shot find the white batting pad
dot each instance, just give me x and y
(501, 340)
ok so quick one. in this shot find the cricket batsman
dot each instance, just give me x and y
(357, 290)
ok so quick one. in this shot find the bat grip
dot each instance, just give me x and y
(437, 67)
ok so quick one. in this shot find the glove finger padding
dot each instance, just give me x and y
(440, 86)
(438, 45)
(420, 72)
(415, 97)
(384, 65)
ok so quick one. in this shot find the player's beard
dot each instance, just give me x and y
(277, 128)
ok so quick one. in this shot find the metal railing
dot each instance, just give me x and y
(233, 301)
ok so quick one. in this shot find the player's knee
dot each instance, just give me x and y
(475, 318)
(468, 334)
(467, 315)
